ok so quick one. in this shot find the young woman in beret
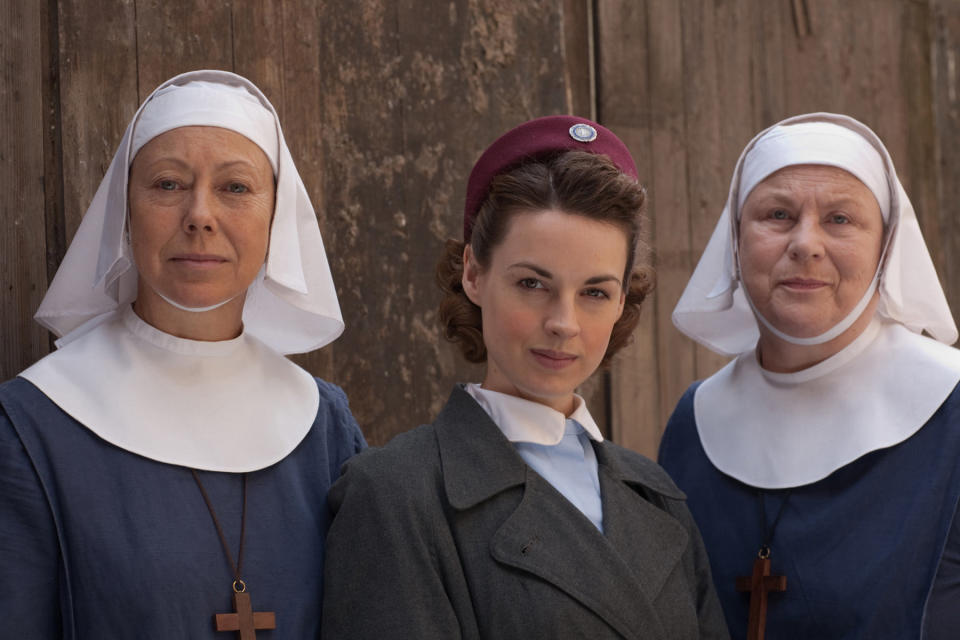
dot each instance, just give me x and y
(510, 516)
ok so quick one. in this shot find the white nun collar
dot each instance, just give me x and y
(233, 406)
(523, 420)
(780, 430)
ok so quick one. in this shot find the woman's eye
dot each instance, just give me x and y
(779, 214)
(236, 187)
(530, 283)
(167, 185)
(596, 293)
(839, 218)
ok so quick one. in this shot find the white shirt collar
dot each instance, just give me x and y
(234, 405)
(523, 420)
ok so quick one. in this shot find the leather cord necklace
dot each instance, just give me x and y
(760, 583)
(244, 620)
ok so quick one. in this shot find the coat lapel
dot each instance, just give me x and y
(548, 537)
(629, 517)
(615, 575)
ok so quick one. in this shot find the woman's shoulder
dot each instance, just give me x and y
(681, 427)
(405, 471)
(334, 417)
(331, 395)
(20, 398)
(413, 453)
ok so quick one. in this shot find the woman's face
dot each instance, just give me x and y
(549, 299)
(201, 202)
(810, 243)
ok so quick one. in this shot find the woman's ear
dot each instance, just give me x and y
(472, 275)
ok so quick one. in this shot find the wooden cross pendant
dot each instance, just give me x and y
(759, 584)
(245, 621)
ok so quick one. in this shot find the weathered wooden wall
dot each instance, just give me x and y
(387, 104)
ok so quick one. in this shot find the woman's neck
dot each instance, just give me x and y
(779, 356)
(223, 323)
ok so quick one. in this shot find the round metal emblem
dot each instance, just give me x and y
(583, 132)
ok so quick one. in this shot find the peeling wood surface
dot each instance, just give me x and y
(387, 105)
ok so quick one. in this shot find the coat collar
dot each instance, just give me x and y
(479, 462)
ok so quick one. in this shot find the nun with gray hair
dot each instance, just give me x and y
(821, 463)
(163, 473)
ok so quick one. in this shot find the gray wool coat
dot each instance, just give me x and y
(446, 533)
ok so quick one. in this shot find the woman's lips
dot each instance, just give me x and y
(803, 284)
(553, 359)
(198, 260)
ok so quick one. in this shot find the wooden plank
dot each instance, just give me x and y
(258, 36)
(669, 206)
(54, 219)
(578, 57)
(23, 268)
(624, 104)
(174, 37)
(945, 80)
(708, 169)
(97, 57)
(917, 165)
(302, 115)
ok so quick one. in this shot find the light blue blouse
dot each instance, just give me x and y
(557, 447)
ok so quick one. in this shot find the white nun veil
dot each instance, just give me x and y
(291, 306)
(713, 309)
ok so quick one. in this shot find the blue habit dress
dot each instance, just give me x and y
(99, 543)
(860, 549)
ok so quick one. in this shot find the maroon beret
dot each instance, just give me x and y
(534, 139)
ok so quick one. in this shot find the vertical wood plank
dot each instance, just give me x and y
(54, 219)
(707, 129)
(945, 80)
(258, 37)
(578, 57)
(669, 205)
(624, 104)
(92, 125)
(917, 164)
(302, 115)
(173, 37)
(23, 267)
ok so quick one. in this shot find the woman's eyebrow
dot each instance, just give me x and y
(600, 279)
(528, 265)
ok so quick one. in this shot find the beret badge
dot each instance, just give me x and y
(582, 132)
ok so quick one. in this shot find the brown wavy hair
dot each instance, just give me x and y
(576, 182)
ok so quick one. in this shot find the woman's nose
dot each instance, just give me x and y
(806, 239)
(561, 319)
(199, 214)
